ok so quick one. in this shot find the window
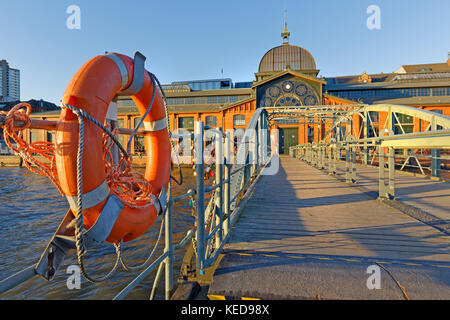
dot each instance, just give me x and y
(121, 124)
(440, 91)
(138, 140)
(211, 121)
(189, 100)
(225, 84)
(212, 99)
(407, 124)
(200, 100)
(440, 112)
(234, 99)
(186, 123)
(373, 131)
(139, 145)
(223, 99)
(405, 119)
(310, 134)
(204, 100)
(34, 136)
(50, 136)
(423, 92)
(374, 116)
(136, 122)
(239, 120)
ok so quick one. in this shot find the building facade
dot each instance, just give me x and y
(288, 76)
(9, 83)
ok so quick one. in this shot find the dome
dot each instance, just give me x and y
(285, 57)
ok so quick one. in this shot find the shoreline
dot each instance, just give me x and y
(13, 161)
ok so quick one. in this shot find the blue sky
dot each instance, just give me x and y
(187, 40)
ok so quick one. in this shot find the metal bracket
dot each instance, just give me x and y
(61, 243)
(138, 75)
(64, 238)
(105, 222)
(161, 201)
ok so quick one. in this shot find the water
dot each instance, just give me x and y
(32, 209)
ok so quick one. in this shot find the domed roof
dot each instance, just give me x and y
(285, 57)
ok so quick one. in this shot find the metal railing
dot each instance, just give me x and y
(381, 151)
(234, 173)
(231, 183)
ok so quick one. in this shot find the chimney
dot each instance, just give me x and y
(448, 59)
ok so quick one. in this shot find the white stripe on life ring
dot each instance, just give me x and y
(155, 125)
(122, 68)
(91, 198)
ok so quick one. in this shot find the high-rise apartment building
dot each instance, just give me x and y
(9, 83)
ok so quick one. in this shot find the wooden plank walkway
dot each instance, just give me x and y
(425, 194)
(304, 213)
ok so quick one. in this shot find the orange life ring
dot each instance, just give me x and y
(92, 89)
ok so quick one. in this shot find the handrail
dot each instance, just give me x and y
(51, 125)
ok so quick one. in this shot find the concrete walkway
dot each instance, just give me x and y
(307, 235)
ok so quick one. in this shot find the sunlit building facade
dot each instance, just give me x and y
(288, 76)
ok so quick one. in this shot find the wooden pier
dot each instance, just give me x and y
(305, 234)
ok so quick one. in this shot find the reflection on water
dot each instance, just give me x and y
(32, 209)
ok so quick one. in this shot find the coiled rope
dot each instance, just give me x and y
(21, 113)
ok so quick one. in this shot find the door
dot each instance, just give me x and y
(288, 137)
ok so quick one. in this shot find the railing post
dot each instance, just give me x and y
(353, 173)
(382, 192)
(435, 162)
(111, 118)
(314, 158)
(386, 191)
(435, 154)
(168, 262)
(253, 150)
(200, 201)
(335, 155)
(227, 169)
(311, 155)
(330, 159)
(391, 165)
(366, 135)
(260, 139)
(219, 180)
(321, 157)
(348, 177)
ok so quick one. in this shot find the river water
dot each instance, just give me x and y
(32, 209)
